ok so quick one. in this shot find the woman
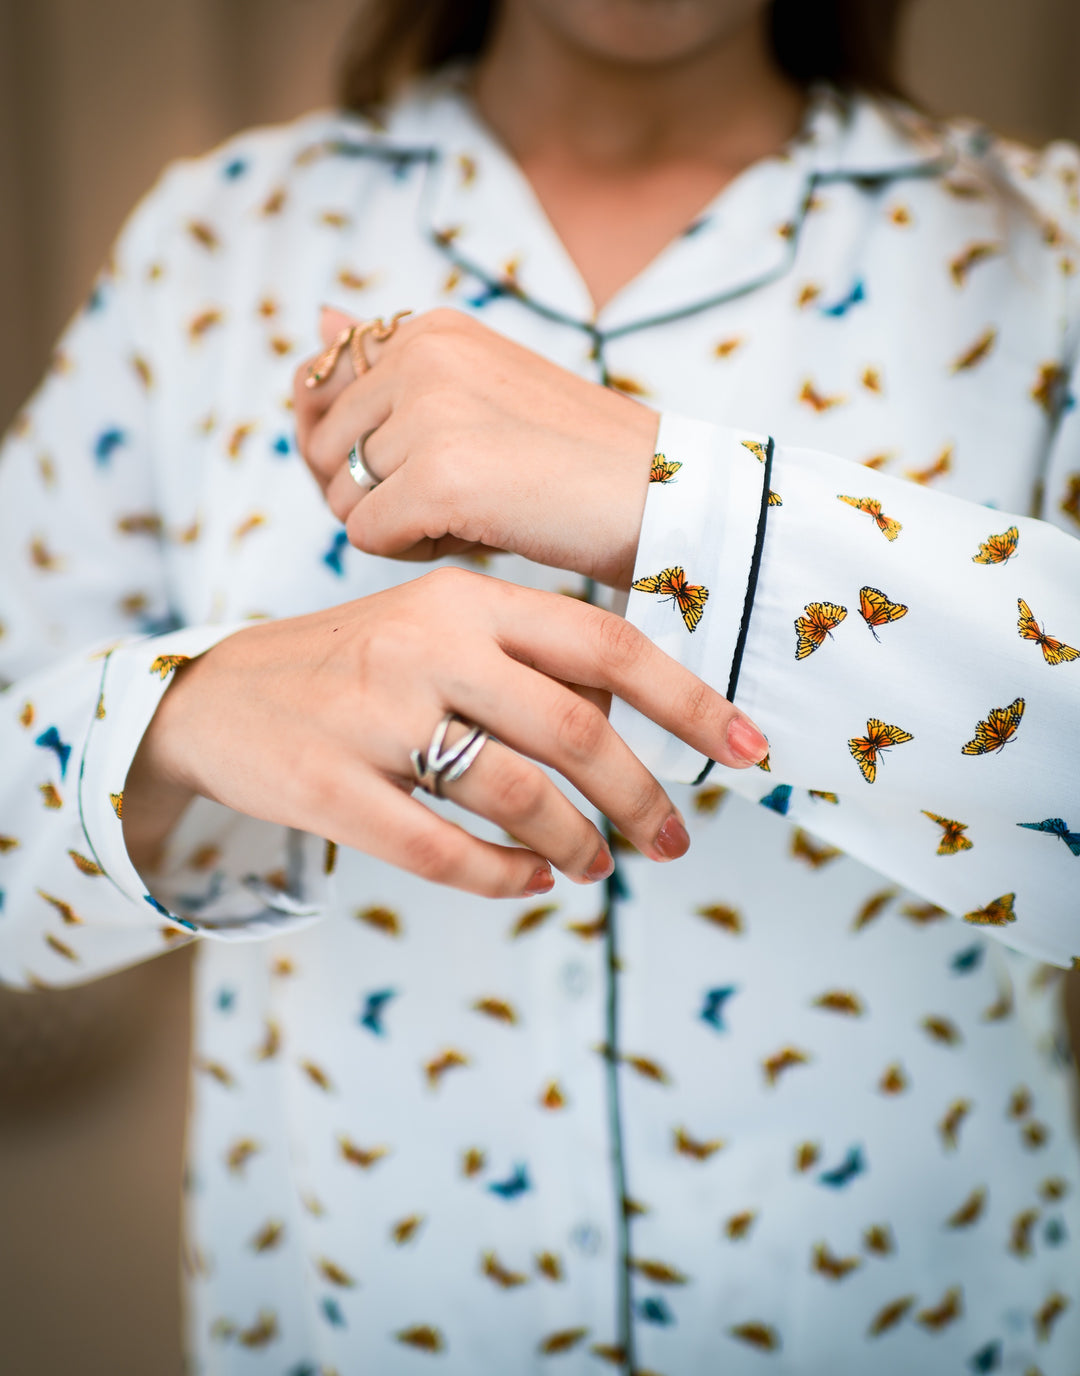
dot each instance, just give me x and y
(772, 1105)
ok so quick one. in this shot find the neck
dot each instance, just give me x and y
(726, 104)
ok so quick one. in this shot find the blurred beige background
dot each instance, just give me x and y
(95, 95)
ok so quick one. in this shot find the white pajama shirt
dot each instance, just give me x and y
(799, 1102)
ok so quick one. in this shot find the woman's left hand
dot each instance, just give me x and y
(478, 443)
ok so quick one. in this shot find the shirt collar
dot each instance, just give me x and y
(479, 209)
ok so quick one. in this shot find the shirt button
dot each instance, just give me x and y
(587, 1239)
(575, 978)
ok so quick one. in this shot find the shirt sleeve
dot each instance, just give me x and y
(913, 659)
(89, 639)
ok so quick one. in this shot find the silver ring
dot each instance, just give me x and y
(360, 473)
(436, 766)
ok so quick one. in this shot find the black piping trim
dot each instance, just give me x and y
(751, 589)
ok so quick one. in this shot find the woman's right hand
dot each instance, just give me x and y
(309, 722)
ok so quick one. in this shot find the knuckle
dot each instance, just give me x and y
(645, 803)
(580, 728)
(517, 792)
(699, 704)
(620, 643)
(321, 454)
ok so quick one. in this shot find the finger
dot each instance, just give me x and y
(520, 798)
(569, 640)
(359, 409)
(343, 492)
(399, 829)
(550, 722)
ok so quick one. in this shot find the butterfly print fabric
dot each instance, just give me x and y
(798, 1102)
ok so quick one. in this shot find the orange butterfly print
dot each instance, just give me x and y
(879, 737)
(819, 619)
(876, 609)
(953, 838)
(997, 730)
(759, 450)
(872, 507)
(663, 470)
(997, 549)
(690, 598)
(1054, 652)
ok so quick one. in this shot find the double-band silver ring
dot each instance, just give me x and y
(360, 473)
(437, 766)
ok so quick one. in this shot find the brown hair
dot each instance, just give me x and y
(849, 43)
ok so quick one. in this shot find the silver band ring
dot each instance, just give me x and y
(360, 473)
(436, 766)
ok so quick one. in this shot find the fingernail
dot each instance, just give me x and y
(601, 867)
(672, 840)
(746, 741)
(543, 881)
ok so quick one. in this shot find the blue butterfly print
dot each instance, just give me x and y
(50, 740)
(778, 800)
(374, 1003)
(970, 958)
(515, 1184)
(653, 1310)
(1054, 826)
(713, 1010)
(332, 558)
(332, 1312)
(282, 446)
(856, 295)
(235, 169)
(852, 1165)
(107, 442)
(987, 1358)
(226, 1000)
(490, 291)
(161, 908)
(1054, 1233)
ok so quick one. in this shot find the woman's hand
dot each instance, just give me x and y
(479, 443)
(310, 722)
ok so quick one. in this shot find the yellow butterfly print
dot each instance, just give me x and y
(562, 1341)
(941, 465)
(872, 507)
(406, 1228)
(498, 1009)
(950, 1308)
(879, 737)
(775, 499)
(832, 1267)
(871, 380)
(659, 1272)
(997, 549)
(893, 1080)
(492, 1267)
(671, 584)
(50, 796)
(317, 1076)
(961, 265)
(952, 837)
(533, 918)
(1070, 503)
(759, 450)
(1049, 387)
(807, 1155)
(818, 401)
(553, 1098)
(969, 1212)
(268, 1236)
(66, 911)
(950, 1125)
(437, 1067)
(202, 323)
(204, 234)
(382, 919)
(819, 619)
(784, 1059)
(760, 1335)
(727, 347)
(841, 1001)
(423, 1336)
(997, 913)
(804, 848)
(60, 947)
(663, 470)
(878, 1239)
(941, 1030)
(8, 843)
(1054, 652)
(695, 1148)
(549, 1266)
(263, 1331)
(976, 352)
(1020, 1232)
(890, 1315)
(738, 1225)
(997, 730)
(164, 665)
(720, 915)
(364, 1157)
(240, 1153)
